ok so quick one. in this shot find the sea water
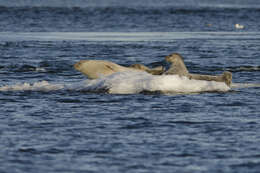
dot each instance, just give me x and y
(54, 119)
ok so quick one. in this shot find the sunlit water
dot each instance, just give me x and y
(54, 119)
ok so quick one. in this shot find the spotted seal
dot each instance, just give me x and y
(94, 69)
(178, 67)
(154, 71)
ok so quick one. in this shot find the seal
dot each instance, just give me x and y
(178, 67)
(94, 69)
(154, 71)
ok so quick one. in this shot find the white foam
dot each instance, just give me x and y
(128, 83)
(40, 69)
(37, 86)
(136, 82)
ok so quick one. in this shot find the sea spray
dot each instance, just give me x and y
(136, 82)
(37, 86)
(127, 83)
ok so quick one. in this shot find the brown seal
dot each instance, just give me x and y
(94, 69)
(179, 68)
(177, 65)
(154, 71)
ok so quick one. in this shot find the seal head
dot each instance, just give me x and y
(177, 65)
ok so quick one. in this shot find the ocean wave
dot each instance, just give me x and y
(128, 83)
(37, 86)
(43, 67)
(243, 68)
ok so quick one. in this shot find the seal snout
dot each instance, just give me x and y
(167, 58)
(79, 64)
(173, 57)
(76, 66)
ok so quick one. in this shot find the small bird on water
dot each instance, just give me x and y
(238, 26)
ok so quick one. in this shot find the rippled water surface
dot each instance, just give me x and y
(53, 119)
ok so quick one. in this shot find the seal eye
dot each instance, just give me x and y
(167, 58)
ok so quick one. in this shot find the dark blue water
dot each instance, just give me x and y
(48, 123)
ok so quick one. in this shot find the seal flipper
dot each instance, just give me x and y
(154, 71)
(227, 76)
(139, 67)
(157, 70)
